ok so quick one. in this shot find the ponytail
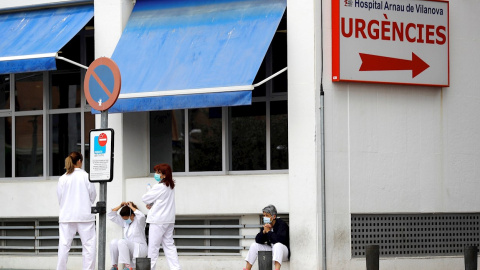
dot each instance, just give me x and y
(71, 161)
(69, 165)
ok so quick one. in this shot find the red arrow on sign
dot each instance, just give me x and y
(372, 62)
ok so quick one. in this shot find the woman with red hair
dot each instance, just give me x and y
(160, 199)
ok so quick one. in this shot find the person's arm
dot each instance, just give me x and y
(261, 237)
(153, 194)
(92, 192)
(279, 235)
(140, 217)
(122, 204)
(115, 217)
(130, 204)
(60, 191)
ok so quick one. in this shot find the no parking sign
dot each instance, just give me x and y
(102, 83)
(101, 155)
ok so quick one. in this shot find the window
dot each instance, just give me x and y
(248, 125)
(234, 139)
(205, 139)
(44, 115)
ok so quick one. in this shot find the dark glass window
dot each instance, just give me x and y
(29, 145)
(4, 92)
(28, 91)
(89, 120)
(205, 139)
(64, 138)
(5, 147)
(66, 90)
(279, 61)
(248, 132)
(167, 144)
(279, 135)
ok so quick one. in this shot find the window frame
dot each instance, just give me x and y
(46, 112)
(270, 96)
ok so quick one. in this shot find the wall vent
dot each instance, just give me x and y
(415, 235)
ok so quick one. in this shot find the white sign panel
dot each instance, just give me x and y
(400, 41)
(101, 155)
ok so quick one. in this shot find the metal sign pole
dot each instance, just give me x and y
(101, 91)
(102, 218)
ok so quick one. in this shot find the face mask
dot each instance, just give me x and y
(157, 177)
(128, 221)
(266, 220)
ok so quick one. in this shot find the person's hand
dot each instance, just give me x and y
(129, 204)
(149, 206)
(123, 204)
(267, 228)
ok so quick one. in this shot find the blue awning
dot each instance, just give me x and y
(176, 54)
(30, 40)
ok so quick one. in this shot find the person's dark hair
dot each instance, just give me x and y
(167, 171)
(71, 160)
(127, 211)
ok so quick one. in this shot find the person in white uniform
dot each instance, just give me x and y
(160, 199)
(134, 243)
(75, 195)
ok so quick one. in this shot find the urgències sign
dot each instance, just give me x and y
(399, 42)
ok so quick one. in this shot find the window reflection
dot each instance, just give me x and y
(167, 144)
(248, 134)
(66, 92)
(279, 61)
(29, 146)
(205, 139)
(64, 138)
(279, 135)
(4, 92)
(28, 91)
(89, 125)
(5, 147)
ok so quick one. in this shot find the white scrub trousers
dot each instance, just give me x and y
(162, 234)
(279, 252)
(86, 230)
(121, 251)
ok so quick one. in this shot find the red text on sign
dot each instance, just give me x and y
(391, 30)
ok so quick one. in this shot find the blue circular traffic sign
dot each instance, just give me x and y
(102, 83)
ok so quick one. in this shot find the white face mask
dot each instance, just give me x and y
(266, 220)
(128, 221)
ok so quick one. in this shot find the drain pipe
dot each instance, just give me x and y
(322, 151)
(322, 178)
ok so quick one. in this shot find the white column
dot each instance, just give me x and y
(304, 69)
(111, 16)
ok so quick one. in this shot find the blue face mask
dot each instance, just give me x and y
(128, 221)
(266, 220)
(157, 177)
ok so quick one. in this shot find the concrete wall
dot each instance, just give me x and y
(403, 149)
(303, 133)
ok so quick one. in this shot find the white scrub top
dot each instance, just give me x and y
(75, 196)
(163, 199)
(135, 232)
